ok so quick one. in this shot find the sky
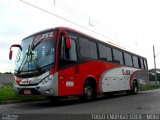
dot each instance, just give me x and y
(132, 24)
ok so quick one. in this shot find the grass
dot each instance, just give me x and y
(150, 87)
(7, 94)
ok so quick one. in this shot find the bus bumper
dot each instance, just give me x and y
(47, 87)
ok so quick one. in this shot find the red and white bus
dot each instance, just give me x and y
(63, 62)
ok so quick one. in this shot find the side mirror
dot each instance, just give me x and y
(11, 52)
(68, 40)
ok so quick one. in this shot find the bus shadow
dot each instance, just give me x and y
(75, 101)
(68, 102)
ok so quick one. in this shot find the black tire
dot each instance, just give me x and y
(53, 100)
(134, 89)
(88, 92)
(109, 94)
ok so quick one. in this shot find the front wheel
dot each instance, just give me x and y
(88, 92)
(53, 100)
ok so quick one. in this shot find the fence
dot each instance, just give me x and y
(6, 78)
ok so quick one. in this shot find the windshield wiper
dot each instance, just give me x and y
(23, 63)
(36, 65)
(34, 61)
(28, 53)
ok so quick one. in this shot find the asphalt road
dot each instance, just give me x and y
(144, 102)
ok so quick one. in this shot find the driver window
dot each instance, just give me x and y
(67, 56)
(72, 51)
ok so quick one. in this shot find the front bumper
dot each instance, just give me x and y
(45, 87)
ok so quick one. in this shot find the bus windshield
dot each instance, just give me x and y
(37, 52)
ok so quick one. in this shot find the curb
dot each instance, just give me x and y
(10, 101)
(19, 101)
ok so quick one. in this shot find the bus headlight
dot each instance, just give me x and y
(49, 91)
(47, 79)
(15, 83)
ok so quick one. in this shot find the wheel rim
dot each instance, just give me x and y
(135, 89)
(88, 92)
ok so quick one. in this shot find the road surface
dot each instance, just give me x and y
(142, 103)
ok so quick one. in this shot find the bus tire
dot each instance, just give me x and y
(134, 89)
(88, 92)
(109, 94)
(53, 100)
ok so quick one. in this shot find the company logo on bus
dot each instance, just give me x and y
(25, 81)
(44, 36)
(47, 35)
(126, 72)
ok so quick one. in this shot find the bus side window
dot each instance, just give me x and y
(128, 60)
(145, 64)
(67, 56)
(84, 47)
(73, 51)
(135, 62)
(121, 58)
(142, 65)
(116, 56)
(61, 48)
(88, 49)
(105, 53)
(102, 52)
(140, 62)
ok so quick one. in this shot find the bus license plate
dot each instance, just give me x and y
(27, 92)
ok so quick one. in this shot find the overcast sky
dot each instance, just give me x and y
(132, 24)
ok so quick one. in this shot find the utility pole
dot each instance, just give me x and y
(54, 2)
(155, 75)
(90, 22)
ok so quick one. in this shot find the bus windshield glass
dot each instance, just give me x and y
(37, 52)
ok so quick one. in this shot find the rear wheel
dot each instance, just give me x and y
(134, 89)
(109, 94)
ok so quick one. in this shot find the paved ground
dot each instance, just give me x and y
(144, 102)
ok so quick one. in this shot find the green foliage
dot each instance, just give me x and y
(7, 93)
(152, 74)
(150, 87)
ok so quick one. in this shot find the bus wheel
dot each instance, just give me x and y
(88, 93)
(109, 94)
(53, 100)
(134, 89)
